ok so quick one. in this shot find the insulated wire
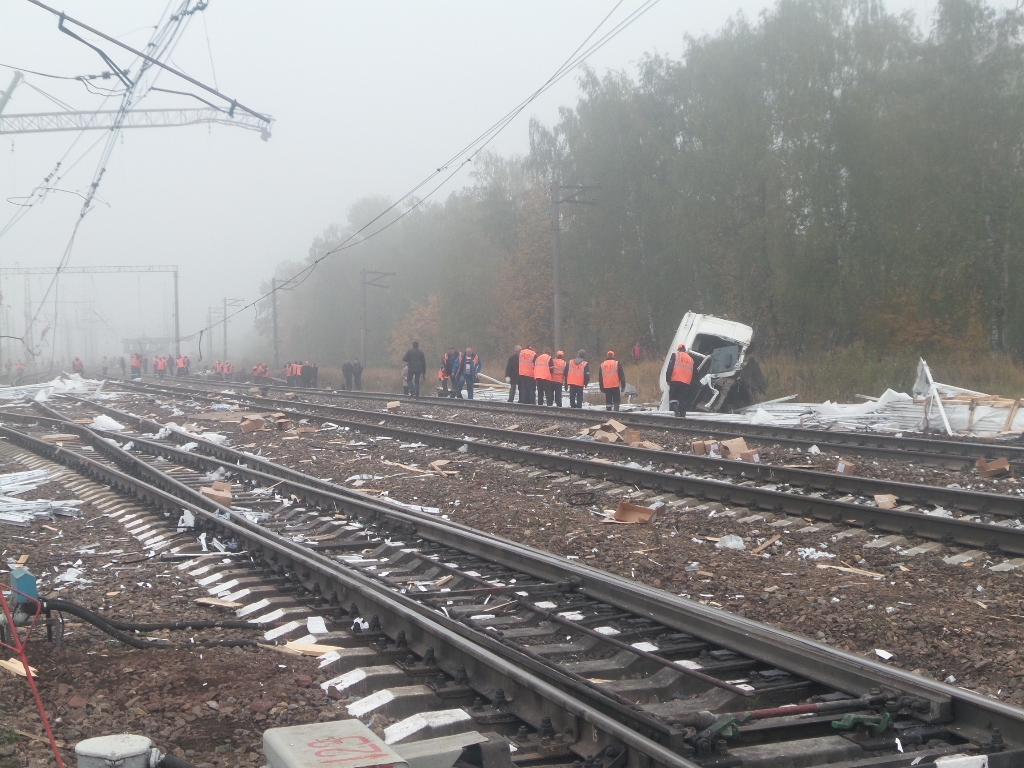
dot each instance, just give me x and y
(473, 148)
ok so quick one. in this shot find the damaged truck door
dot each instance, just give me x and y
(725, 376)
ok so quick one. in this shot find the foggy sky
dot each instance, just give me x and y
(367, 97)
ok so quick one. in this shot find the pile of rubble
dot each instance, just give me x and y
(613, 431)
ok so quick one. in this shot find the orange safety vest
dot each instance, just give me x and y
(576, 376)
(218, 368)
(558, 365)
(526, 358)
(610, 374)
(542, 368)
(181, 363)
(682, 370)
(160, 365)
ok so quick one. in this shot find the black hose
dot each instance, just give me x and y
(197, 624)
(135, 642)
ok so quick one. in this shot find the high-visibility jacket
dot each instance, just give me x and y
(558, 366)
(229, 368)
(161, 364)
(445, 372)
(682, 368)
(542, 368)
(610, 374)
(526, 360)
(181, 363)
(218, 367)
(577, 373)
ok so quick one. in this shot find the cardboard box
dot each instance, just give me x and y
(885, 501)
(289, 395)
(631, 436)
(220, 485)
(731, 449)
(602, 436)
(394, 405)
(751, 457)
(221, 497)
(305, 430)
(993, 468)
(627, 512)
(649, 445)
(283, 424)
(618, 426)
(251, 425)
(699, 447)
(845, 467)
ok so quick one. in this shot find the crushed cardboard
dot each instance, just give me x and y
(993, 468)
(731, 449)
(219, 495)
(394, 405)
(630, 513)
(886, 500)
(251, 425)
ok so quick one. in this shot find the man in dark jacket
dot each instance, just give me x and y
(357, 373)
(346, 371)
(417, 363)
(512, 373)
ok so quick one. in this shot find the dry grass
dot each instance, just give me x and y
(374, 379)
(854, 371)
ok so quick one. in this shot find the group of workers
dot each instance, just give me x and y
(542, 378)
(298, 374)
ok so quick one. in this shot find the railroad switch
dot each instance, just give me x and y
(713, 738)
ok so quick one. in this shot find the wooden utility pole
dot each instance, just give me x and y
(273, 303)
(573, 196)
(368, 278)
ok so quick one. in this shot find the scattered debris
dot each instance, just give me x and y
(219, 492)
(106, 423)
(845, 467)
(630, 513)
(885, 501)
(994, 468)
(252, 424)
(730, 541)
(393, 406)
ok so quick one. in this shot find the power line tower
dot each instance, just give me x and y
(369, 278)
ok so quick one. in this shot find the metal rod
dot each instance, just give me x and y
(273, 302)
(234, 104)
(177, 318)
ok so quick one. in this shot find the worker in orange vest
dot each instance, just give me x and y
(218, 369)
(180, 363)
(559, 368)
(77, 366)
(161, 367)
(542, 377)
(577, 377)
(229, 371)
(679, 376)
(612, 380)
(527, 384)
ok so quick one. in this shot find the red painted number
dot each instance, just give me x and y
(345, 749)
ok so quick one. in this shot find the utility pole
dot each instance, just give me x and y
(229, 303)
(209, 331)
(273, 303)
(374, 278)
(5, 96)
(573, 196)
(30, 358)
(177, 320)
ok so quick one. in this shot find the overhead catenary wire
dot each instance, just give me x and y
(468, 152)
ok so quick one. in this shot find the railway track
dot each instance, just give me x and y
(568, 663)
(983, 520)
(950, 453)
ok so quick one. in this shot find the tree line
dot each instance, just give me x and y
(827, 173)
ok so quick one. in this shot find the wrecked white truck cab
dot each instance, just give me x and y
(725, 377)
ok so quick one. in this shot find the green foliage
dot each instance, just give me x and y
(848, 186)
(9, 736)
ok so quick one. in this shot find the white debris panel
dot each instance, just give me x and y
(966, 411)
(62, 385)
(15, 511)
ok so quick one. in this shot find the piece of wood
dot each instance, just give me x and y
(15, 667)
(22, 560)
(855, 571)
(551, 428)
(759, 549)
(310, 649)
(216, 602)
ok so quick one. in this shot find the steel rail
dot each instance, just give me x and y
(784, 650)
(904, 522)
(499, 665)
(953, 454)
(957, 498)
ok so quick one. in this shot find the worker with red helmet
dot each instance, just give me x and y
(612, 380)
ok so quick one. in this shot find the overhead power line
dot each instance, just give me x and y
(467, 153)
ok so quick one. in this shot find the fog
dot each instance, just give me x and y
(367, 98)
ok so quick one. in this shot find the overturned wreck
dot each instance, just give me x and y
(725, 376)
